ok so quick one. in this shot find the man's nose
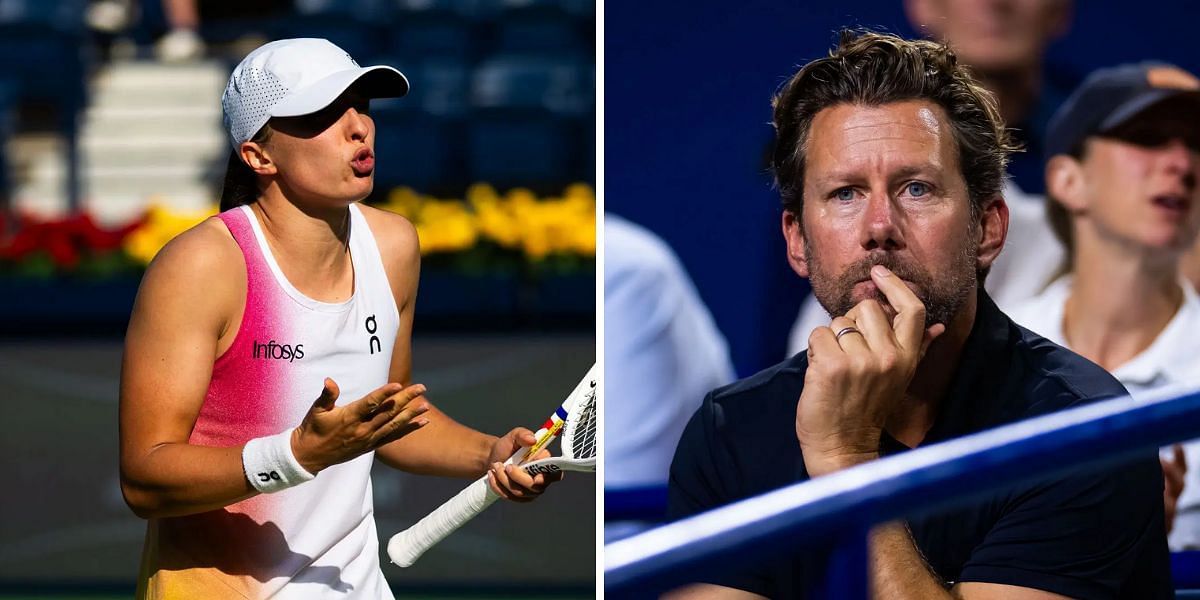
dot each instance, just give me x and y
(881, 229)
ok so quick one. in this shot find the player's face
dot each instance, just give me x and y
(995, 35)
(882, 186)
(1140, 180)
(328, 155)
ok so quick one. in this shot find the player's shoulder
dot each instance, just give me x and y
(394, 234)
(198, 278)
(207, 249)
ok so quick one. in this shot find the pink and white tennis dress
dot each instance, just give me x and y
(318, 539)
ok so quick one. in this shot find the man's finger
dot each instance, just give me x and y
(873, 323)
(821, 342)
(1180, 457)
(852, 338)
(910, 311)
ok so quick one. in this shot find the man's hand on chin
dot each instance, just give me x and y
(858, 371)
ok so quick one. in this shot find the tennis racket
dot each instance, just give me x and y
(575, 420)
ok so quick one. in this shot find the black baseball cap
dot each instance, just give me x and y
(1111, 96)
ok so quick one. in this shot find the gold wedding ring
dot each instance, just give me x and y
(844, 331)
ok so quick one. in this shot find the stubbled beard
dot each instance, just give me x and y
(942, 296)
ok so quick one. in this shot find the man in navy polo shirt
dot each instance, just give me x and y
(890, 161)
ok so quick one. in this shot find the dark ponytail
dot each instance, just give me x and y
(241, 183)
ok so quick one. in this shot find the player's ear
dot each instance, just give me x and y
(1064, 182)
(256, 156)
(793, 234)
(993, 230)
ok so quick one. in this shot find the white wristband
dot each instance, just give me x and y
(270, 465)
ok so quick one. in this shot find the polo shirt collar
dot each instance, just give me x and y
(1172, 357)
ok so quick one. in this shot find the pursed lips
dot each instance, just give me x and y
(363, 162)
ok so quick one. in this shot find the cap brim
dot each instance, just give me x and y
(1141, 102)
(378, 82)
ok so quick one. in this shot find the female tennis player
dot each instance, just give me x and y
(268, 355)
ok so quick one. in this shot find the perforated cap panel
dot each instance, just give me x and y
(247, 102)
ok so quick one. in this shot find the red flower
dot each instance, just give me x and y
(66, 240)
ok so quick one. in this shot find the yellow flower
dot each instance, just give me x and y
(404, 201)
(564, 225)
(518, 220)
(161, 226)
(445, 226)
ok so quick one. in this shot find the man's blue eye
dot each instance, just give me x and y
(917, 188)
(845, 194)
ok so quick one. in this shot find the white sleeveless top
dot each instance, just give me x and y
(318, 539)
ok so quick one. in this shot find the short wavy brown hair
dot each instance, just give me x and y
(874, 69)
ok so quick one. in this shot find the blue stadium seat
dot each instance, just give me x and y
(580, 9)
(585, 169)
(521, 126)
(43, 57)
(533, 26)
(520, 150)
(359, 38)
(435, 28)
(540, 32)
(439, 86)
(413, 148)
(8, 98)
(559, 84)
(365, 11)
(62, 15)
(360, 27)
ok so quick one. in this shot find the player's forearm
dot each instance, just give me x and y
(897, 568)
(443, 448)
(181, 479)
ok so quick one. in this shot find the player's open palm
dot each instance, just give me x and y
(859, 369)
(332, 434)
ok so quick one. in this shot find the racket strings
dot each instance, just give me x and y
(579, 435)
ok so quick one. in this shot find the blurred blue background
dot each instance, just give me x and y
(687, 101)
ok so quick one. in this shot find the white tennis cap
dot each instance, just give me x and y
(289, 78)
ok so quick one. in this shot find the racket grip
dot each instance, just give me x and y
(407, 546)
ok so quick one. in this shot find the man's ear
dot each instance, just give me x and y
(993, 231)
(1064, 183)
(793, 234)
(257, 158)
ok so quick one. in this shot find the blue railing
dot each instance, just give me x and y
(841, 507)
